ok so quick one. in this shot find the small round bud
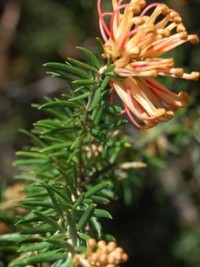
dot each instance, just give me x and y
(101, 243)
(119, 250)
(91, 243)
(103, 259)
(124, 257)
(110, 265)
(111, 246)
(111, 258)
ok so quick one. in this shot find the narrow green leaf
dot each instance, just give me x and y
(100, 50)
(106, 192)
(66, 77)
(72, 227)
(40, 258)
(96, 98)
(59, 240)
(79, 97)
(81, 88)
(54, 74)
(55, 147)
(63, 195)
(54, 200)
(110, 237)
(79, 201)
(113, 109)
(49, 220)
(96, 189)
(97, 115)
(26, 162)
(84, 82)
(33, 218)
(59, 104)
(36, 140)
(16, 238)
(82, 65)
(102, 213)
(100, 199)
(34, 247)
(84, 236)
(85, 217)
(44, 228)
(97, 226)
(105, 82)
(68, 69)
(90, 57)
(33, 203)
(30, 154)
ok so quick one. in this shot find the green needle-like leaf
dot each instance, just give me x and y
(34, 247)
(42, 229)
(85, 82)
(97, 226)
(102, 213)
(26, 162)
(82, 65)
(40, 258)
(90, 57)
(50, 221)
(68, 69)
(96, 189)
(96, 98)
(79, 97)
(86, 217)
(54, 147)
(59, 104)
(36, 140)
(31, 154)
(79, 201)
(54, 200)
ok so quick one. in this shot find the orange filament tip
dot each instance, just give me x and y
(164, 32)
(166, 11)
(136, 9)
(180, 28)
(142, 4)
(178, 20)
(135, 50)
(183, 35)
(169, 113)
(191, 76)
(193, 38)
(174, 14)
(160, 112)
(138, 21)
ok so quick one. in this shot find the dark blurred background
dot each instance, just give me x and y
(158, 221)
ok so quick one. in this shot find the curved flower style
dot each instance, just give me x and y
(134, 41)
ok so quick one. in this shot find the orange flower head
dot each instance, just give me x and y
(136, 38)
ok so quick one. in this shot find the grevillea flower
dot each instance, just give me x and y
(135, 37)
